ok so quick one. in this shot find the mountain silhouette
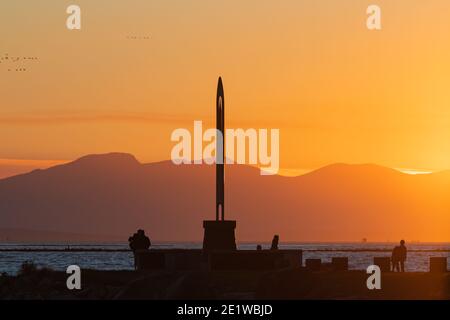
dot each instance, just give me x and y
(114, 194)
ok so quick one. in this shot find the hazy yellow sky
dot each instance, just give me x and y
(337, 91)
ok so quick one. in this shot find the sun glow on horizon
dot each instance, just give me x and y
(414, 171)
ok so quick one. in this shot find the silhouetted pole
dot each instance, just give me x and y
(220, 152)
(219, 233)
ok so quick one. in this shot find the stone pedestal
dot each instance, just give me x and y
(438, 264)
(219, 235)
(383, 262)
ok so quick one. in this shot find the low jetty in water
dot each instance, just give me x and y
(291, 283)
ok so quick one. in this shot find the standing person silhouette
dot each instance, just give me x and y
(399, 257)
(275, 241)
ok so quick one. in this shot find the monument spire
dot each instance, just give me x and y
(220, 152)
(219, 233)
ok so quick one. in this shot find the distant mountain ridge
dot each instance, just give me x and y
(114, 194)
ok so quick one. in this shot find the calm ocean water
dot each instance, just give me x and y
(360, 254)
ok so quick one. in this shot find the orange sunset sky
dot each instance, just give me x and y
(337, 91)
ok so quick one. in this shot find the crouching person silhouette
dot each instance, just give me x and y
(139, 241)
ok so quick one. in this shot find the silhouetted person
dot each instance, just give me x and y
(139, 241)
(399, 257)
(275, 240)
(258, 247)
(131, 242)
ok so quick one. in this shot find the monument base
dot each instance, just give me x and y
(219, 235)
